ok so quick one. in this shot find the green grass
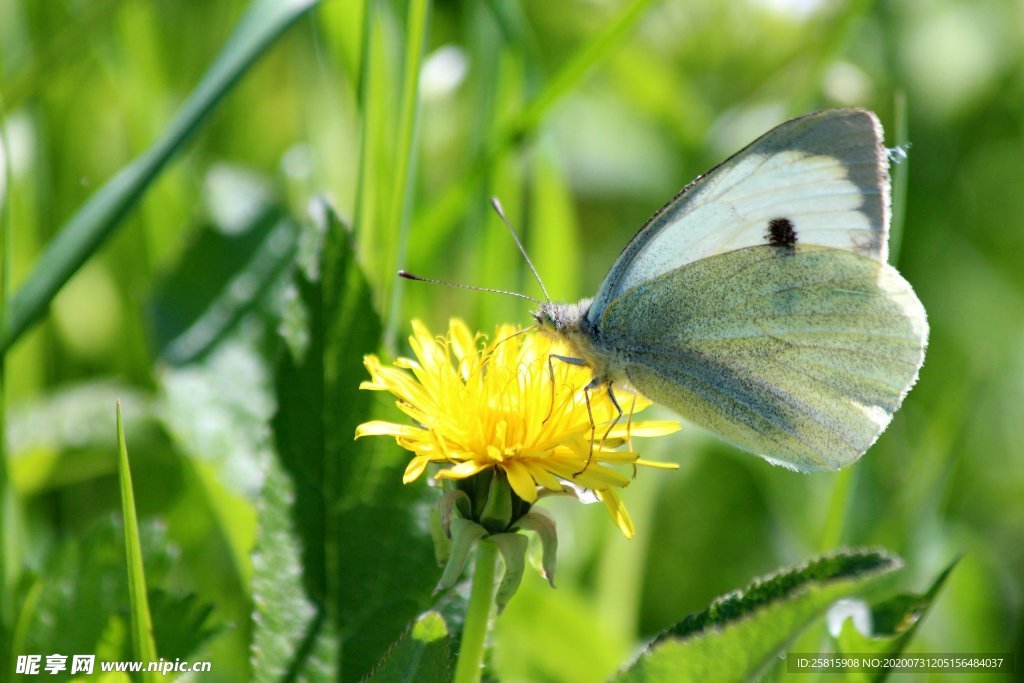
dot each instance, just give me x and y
(158, 245)
(143, 647)
(93, 224)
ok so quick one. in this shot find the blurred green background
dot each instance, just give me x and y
(584, 117)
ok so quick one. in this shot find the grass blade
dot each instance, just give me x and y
(83, 234)
(367, 120)
(602, 46)
(143, 647)
(9, 555)
(438, 217)
(416, 36)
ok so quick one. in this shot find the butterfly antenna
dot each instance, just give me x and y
(501, 213)
(416, 278)
(515, 334)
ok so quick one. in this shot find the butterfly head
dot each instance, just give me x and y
(561, 319)
(570, 325)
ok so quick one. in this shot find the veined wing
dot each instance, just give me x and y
(819, 179)
(800, 354)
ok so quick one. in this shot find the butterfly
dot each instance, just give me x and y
(759, 304)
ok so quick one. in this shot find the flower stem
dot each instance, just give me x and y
(478, 611)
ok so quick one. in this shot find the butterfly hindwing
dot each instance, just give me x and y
(798, 353)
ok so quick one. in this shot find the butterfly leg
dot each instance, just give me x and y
(590, 414)
(593, 425)
(551, 406)
(629, 426)
(611, 426)
(551, 373)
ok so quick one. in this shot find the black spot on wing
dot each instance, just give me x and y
(781, 233)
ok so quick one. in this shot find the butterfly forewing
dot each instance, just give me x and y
(820, 179)
(798, 353)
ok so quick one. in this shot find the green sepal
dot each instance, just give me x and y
(465, 534)
(477, 488)
(513, 552)
(439, 535)
(457, 501)
(497, 512)
(543, 525)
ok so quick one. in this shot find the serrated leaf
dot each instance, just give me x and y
(742, 632)
(284, 618)
(423, 654)
(893, 623)
(366, 553)
(216, 411)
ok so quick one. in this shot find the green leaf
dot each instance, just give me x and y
(97, 219)
(143, 646)
(423, 654)
(894, 621)
(76, 602)
(289, 634)
(366, 553)
(742, 632)
(216, 412)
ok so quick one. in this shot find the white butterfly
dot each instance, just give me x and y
(758, 302)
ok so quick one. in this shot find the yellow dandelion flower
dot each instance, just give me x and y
(481, 405)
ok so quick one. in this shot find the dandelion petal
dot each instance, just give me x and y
(520, 480)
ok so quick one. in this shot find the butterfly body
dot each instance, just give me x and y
(569, 322)
(758, 303)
